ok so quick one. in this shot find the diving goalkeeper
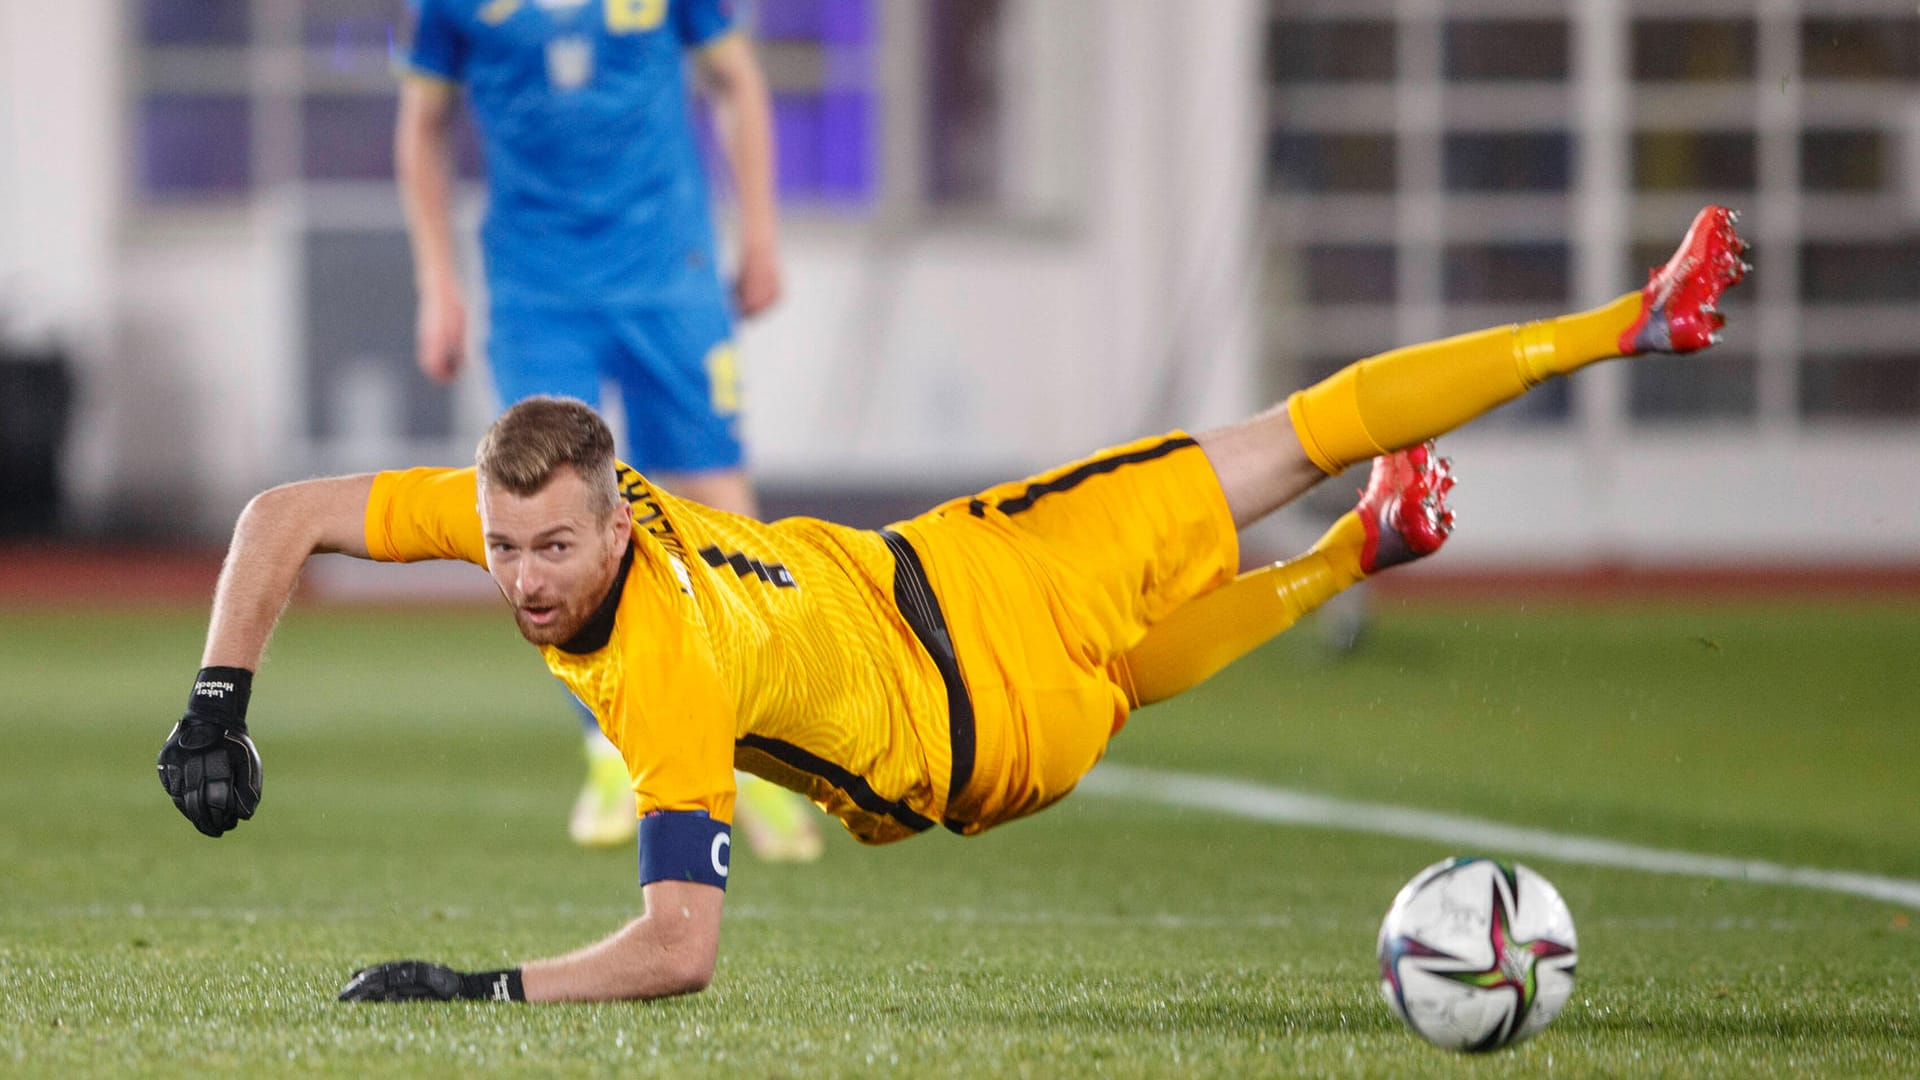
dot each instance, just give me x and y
(959, 669)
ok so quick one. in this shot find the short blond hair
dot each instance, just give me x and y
(522, 449)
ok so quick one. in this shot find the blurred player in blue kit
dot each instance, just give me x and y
(599, 254)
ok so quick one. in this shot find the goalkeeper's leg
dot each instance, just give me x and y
(1402, 515)
(1391, 402)
(1404, 397)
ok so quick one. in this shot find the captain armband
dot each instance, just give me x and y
(685, 845)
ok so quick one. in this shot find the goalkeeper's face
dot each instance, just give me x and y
(552, 553)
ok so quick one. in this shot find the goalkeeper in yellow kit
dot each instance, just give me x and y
(959, 669)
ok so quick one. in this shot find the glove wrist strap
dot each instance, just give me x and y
(220, 694)
(503, 985)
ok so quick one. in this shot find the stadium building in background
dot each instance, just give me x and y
(1018, 228)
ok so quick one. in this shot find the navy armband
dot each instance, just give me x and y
(685, 845)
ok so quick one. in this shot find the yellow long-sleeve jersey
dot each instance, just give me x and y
(957, 668)
(778, 648)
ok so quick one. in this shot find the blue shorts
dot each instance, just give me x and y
(675, 368)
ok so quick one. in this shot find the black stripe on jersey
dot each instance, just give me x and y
(772, 573)
(856, 787)
(914, 597)
(1070, 480)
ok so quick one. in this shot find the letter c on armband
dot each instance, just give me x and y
(685, 845)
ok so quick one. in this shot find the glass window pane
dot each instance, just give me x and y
(825, 105)
(846, 147)
(1332, 50)
(1860, 48)
(1344, 274)
(1860, 387)
(194, 22)
(1509, 162)
(828, 22)
(1842, 271)
(796, 132)
(1694, 160)
(361, 380)
(789, 20)
(823, 145)
(847, 23)
(351, 24)
(348, 137)
(1647, 256)
(195, 145)
(1505, 273)
(1549, 403)
(1494, 49)
(1843, 160)
(1299, 161)
(964, 143)
(1689, 50)
(1719, 384)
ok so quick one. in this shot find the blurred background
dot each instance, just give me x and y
(1015, 230)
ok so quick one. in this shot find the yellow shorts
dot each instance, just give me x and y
(1040, 584)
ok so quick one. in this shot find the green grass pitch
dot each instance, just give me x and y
(419, 765)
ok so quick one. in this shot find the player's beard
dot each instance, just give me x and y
(569, 616)
(569, 613)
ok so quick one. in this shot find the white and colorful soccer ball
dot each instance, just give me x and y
(1477, 954)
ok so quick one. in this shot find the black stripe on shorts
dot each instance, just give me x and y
(856, 787)
(914, 597)
(1070, 480)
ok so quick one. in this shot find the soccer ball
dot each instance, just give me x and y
(1477, 954)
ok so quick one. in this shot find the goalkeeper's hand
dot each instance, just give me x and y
(417, 980)
(208, 765)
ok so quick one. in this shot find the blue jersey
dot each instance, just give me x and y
(596, 192)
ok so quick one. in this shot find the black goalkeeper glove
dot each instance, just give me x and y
(417, 980)
(208, 764)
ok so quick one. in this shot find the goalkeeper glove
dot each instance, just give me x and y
(417, 980)
(208, 764)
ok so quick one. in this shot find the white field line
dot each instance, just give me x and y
(1280, 806)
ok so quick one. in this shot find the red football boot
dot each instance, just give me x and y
(1404, 507)
(1680, 307)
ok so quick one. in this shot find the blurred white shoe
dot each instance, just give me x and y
(603, 813)
(780, 825)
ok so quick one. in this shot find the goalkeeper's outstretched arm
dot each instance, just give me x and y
(208, 765)
(277, 532)
(670, 950)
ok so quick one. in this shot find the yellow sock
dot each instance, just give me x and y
(1407, 396)
(1212, 630)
